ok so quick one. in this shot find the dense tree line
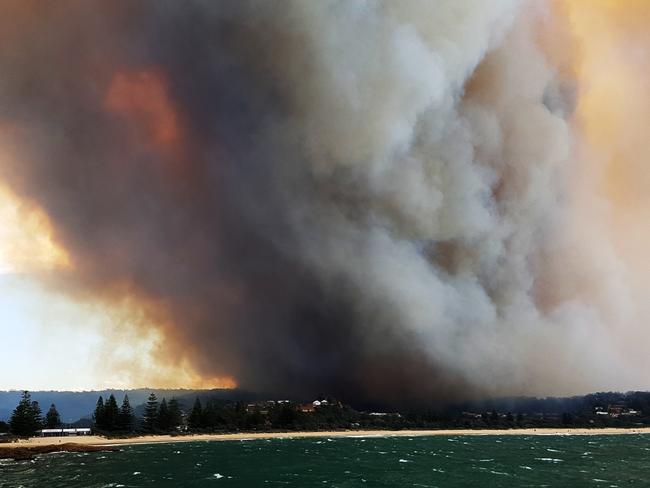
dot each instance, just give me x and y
(578, 405)
(27, 418)
(161, 418)
(218, 416)
(158, 418)
(209, 415)
(109, 417)
(212, 414)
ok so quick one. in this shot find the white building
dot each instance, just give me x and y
(64, 432)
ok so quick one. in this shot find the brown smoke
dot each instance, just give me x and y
(368, 199)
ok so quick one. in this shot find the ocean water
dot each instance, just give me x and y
(455, 461)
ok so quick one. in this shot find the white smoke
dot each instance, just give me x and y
(441, 161)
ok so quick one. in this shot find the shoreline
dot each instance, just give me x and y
(98, 441)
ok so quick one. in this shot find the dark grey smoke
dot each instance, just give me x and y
(357, 197)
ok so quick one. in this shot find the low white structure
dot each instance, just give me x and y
(64, 432)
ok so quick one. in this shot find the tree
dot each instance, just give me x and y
(52, 418)
(164, 420)
(111, 414)
(126, 419)
(287, 416)
(36, 416)
(210, 416)
(151, 413)
(195, 419)
(4, 427)
(175, 415)
(26, 419)
(99, 417)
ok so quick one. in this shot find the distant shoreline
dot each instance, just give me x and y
(98, 441)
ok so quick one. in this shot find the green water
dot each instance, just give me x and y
(457, 461)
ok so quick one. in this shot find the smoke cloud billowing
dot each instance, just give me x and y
(363, 198)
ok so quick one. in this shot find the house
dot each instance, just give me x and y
(259, 407)
(630, 412)
(64, 432)
(472, 415)
(615, 410)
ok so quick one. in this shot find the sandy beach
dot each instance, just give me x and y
(155, 439)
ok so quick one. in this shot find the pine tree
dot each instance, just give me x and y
(287, 416)
(175, 415)
(195, 419)
(210, 416)
(26, 418)
(163, 421)
(151, 414)
(126, 419)
(52, 418)
(111, 414)
(36, 416)
(99, 416)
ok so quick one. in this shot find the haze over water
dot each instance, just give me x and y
(456, 461)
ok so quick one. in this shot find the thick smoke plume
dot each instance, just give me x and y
(363, 198)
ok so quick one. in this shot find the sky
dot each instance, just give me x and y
(36, 323)
(39, 324)
(488, 226)
(52, 341)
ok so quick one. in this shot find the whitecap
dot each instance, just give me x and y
(217, 475)
(404, 461)
(500, 473)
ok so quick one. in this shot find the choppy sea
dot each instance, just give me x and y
(454, 461)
